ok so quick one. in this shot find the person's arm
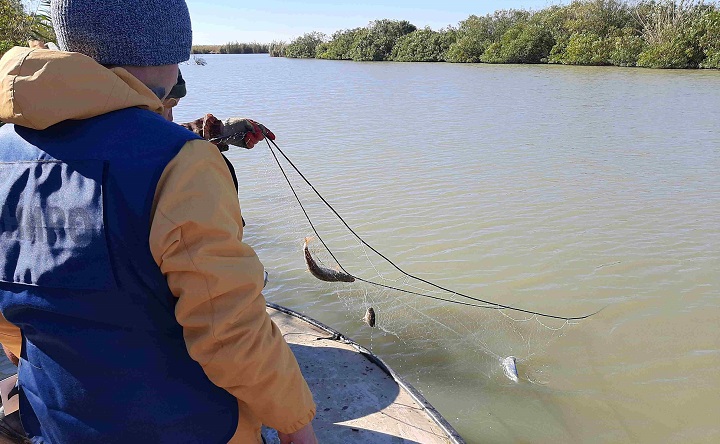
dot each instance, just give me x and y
(11, 339)
(196, 239)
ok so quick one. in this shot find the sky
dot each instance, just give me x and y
(222, 21)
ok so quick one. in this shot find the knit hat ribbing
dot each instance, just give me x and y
(124, 32)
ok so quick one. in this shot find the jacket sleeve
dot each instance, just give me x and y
(196, 239)
(10, 336)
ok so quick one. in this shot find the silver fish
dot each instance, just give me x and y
(369, 318)
(510, 368)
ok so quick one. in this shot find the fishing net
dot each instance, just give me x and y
(463, 335)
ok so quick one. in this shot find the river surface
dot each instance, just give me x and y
(562, 190)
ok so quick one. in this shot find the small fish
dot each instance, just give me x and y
(322, 273)
(510, 368)
(369, 318)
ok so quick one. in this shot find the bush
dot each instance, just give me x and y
(587, 32)
(712, 60)
(523, 43)
(376, 42)
(672, 53)
(710, 39)
(585, 49)
(598, 17)
(305, 47)
(554, 20)
(476, 34)
(340, 45)
(423, 45)
(467, 49)
(626, 47)
(365, 48)
(675, 34)
(473, 38)
(672, 31)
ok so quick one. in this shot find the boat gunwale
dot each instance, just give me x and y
(452, 434)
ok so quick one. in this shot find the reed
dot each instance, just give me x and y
(232, 48)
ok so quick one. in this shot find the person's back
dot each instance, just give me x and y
(121, 258)
(79, 280)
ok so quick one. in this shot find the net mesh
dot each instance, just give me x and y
(473, 339)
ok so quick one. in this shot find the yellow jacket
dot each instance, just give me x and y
(195, 239)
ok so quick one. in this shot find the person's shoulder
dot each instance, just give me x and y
(151, 123)
(134, 132)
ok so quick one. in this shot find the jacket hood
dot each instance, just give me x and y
(39, 88)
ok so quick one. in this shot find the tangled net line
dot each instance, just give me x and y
(485, 303)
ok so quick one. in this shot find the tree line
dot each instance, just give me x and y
(644, 33)
(232, 48)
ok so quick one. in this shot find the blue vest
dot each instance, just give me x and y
(103, 358)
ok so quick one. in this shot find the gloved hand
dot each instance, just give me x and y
(208, 127)
(244, 133)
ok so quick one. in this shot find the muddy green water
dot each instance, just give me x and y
(557, 189)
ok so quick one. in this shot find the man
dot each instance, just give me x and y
(125, 287)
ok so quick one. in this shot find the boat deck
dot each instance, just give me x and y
(359, 399)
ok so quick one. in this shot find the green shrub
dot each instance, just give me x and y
(305, 47)
(340, 45)
(476, 34)
(626, 47)
(712, 60)
(672, 53)
(366, 48)
(376, 42)
(672, 31)
(523, 43)
(558, 50)
(554, 20)
(473, 38)
(710, 39)
(585, 49)
(598, 17)
(467, 49)
(423, 45)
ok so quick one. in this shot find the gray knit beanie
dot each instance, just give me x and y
(124, 32)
